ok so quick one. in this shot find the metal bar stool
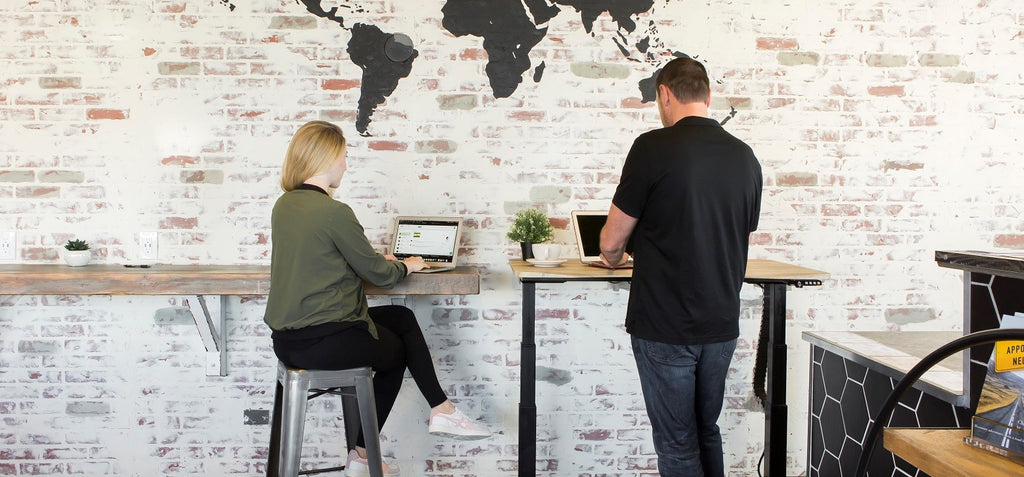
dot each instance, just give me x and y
(294, 388)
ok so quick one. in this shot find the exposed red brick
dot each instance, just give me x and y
(107, 114)
(388, 146)
(527, 116)
(179, 160)
(173, 8)
(840, 210)
(148, 51)
(596, 435)
(340, 84)
(777, 44)
(635, 103)
(796, 179)
(1015, 241)
(473, 54)
(902, 165)
(886, 91)
(179, 223)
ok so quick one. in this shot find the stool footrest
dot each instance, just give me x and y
(321, 471)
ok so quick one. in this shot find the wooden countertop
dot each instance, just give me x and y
(99, 279)
(758, 270)
(943, 452)
(1008, 264)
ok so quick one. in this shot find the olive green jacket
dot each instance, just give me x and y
(319, 259)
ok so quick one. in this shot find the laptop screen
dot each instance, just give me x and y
(434, 239)
(588, 224)
(590, 233)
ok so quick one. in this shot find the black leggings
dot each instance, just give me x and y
(401, 345)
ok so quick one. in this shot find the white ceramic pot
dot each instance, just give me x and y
(77, 258)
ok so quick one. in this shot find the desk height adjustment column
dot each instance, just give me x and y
(776, 410)
(527, 385)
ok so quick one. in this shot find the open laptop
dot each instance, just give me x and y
(587, 224)
(436, 239)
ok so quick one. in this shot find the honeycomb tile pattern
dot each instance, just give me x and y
(844, 398)
(845, 395)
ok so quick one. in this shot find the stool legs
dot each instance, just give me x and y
(293, 422)
(274, 452)
(368, 418)
(289, 417)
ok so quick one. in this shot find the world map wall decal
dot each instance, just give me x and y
(509, 30)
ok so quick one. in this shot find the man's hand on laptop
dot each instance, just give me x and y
(623, 259)
(414, 264)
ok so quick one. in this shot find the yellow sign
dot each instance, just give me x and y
(1009, 355)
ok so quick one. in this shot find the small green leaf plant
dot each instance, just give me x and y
(74, 245)
(531, 226)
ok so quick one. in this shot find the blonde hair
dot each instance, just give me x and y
(313, 148)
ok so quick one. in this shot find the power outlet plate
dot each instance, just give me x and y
(148, 247)
(7, 246)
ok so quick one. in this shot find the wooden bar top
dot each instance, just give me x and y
(573, 269)
(100, 279)
(943, 452)
(1008, 264)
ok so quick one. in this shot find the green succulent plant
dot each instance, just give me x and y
(74, 245)
(530, 226)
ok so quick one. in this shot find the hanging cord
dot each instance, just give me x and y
(933, 358)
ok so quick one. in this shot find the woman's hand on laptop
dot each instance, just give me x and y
(414, 264)
(390, 258)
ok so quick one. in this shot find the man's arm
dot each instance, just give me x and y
(614, 236)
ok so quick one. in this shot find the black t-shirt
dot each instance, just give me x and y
(696, 192)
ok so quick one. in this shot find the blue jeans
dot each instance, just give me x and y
(684, 386)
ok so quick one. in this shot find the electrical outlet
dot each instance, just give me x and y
(148, 246)
(7, 246)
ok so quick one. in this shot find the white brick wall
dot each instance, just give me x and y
(886, 130)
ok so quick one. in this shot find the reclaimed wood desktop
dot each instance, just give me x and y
(773, 277)
(202, 281)
(943, 452)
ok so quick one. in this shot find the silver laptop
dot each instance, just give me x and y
(436, 239)
(587, 225)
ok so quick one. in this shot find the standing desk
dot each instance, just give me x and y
(773, 278)
(201, 281)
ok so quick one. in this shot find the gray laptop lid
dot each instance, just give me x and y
(436, 239)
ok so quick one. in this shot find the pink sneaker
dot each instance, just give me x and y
(457, 425)
(358, 467)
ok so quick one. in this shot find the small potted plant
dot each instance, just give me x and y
(76, 253)
(529, 227)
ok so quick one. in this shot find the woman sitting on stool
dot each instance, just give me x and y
(317, 307)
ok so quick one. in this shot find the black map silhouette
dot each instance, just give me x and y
(509, 31)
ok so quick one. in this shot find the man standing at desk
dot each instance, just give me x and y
(690, 195)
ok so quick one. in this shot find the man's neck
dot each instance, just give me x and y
(682, 110)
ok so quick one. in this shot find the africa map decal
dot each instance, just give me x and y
(509, 30)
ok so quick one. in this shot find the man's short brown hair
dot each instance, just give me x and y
(686, 78)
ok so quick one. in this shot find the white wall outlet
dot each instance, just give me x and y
(7, 246)
(148, 246)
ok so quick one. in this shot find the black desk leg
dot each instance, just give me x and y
(528, 386)
(776, 410)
